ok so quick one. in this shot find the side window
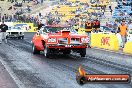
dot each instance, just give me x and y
(45, 30)
(40, 32)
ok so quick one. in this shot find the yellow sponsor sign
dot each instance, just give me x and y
(27, 27)
(128, 48)
(81, 31)
(106, 41)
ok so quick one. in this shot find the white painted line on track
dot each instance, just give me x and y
(11, 73)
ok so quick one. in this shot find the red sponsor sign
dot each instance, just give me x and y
(105, 41)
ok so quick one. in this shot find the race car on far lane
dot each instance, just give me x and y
(59, 38)
(15, 32)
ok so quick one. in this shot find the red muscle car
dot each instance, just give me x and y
(59, 38)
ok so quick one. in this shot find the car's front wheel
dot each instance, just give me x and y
(34, 50)
(46, 51)
(19, 37)
(83, 52)
(22, 37)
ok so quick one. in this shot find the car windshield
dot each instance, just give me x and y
(16, 27)
(53, 29)
(57, 29)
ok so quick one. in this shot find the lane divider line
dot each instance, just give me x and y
(13, 76)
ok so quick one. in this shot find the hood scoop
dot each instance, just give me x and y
(65, 32)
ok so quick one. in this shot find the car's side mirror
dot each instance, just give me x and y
(38, 33)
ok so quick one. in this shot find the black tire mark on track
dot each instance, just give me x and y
(92, 70)
(19, 46)
(87, 68)
(111, 64)
(94, 60)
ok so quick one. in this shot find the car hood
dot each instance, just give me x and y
(66, 34)
(77, 35)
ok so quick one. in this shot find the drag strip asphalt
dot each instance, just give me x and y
(59, 71)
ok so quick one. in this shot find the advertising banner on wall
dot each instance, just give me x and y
(27, 27)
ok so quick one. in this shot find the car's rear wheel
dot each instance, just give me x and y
(83, 52)
(46, 51)
(34, 50)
